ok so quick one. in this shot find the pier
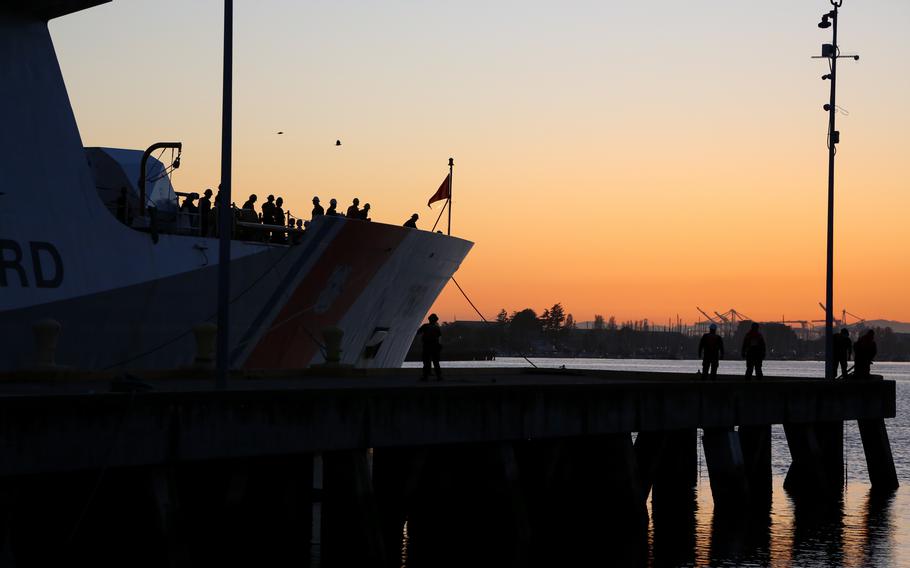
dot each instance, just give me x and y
(506, 467)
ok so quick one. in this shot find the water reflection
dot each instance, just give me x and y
(858, 531)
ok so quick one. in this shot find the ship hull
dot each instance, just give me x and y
(375, 282)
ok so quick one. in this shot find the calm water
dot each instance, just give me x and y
(867, 532)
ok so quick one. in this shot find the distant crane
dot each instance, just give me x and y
(709, 318)
(727, 321)
(843, 318)
(804, 325)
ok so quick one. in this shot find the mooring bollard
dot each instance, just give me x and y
(46, 331)
(332, 337)
(205, 345)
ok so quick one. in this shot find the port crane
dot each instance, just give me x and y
(727, 321)
(843, 319)
(805, 326)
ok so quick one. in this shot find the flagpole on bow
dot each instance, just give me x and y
(451, 165)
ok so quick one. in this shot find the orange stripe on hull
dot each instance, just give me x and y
(326, 293)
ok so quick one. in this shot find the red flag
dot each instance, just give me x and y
(444, 191)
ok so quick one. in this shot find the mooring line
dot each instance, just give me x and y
(460, 289)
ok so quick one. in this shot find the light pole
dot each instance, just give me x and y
(831, 52)
(225, 214)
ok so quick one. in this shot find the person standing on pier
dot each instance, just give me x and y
(753, 352)
(430, 333)
(843, 348)
(711, 350)
(864, 351)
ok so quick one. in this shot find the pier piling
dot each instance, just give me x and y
(879, 460)
(726, 468)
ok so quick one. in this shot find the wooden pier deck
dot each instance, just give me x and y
(68, 424)
(489, 467)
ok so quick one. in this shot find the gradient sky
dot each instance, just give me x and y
(633, 159)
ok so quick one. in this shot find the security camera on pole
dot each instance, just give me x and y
(831, 52)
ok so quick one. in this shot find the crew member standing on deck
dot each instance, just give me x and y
(317, 208)
(753, 352)
(710, 349)
(843, 348)
(354, 210)
(430, 334)
(205, 211)
(268, 211)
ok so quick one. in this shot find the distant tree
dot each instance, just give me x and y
(598, 321)
(555, 317)
(502, 317)
(611, 323)
(570, 322)
(545, 319)
(524, 328)
(525, 321)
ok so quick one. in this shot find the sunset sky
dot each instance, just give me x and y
(633, 159)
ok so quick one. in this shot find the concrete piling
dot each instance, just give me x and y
(468, 509)
(756, 448)
(351, 533)
(677, 476)
(649, 447)
(396, 477)
(726, 468)
(807, 476)
(879, 460)
(585, 502)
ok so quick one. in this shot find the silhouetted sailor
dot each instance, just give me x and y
(205, 211)
(365, 212)
(250, 203)
(412, 222)
(753, 351)
(710, 349)
(864, 351)
(188, 204)
(430, 333)
(317, 208)
(278, 219)
(297, 235)
(268, 211)
(354, 209)
(843, 349)
(331, 211)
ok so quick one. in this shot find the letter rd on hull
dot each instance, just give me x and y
(45, 263)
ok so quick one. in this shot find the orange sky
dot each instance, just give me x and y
(633, 161)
